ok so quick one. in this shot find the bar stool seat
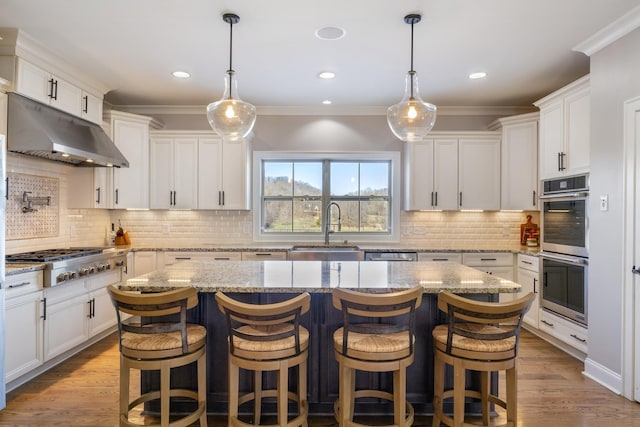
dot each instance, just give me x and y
(267, 337)
(161, 346)
(479, 336)
(367, 345)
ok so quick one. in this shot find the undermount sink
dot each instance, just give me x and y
(326, 253)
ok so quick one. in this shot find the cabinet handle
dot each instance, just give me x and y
(86, 104)
(577, 338)
(89, 315)
(44, 308)
(461, 198)
(98, 195)
(488, 259)
(175, 196)
(181, 258)
(116, 196)
(219, 198)
(527, 262)
(263, 254)
(440, 259)
(6, 188)
(170, 198)
(222, 259)
(222, 197)
(559, 161)
(436, 199)
(562, 156)
(547, 323)
(534, 285)
(534, 198)
(17, 285)
(51, 85)
(432, 204)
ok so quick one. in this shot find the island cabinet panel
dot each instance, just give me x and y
(321, 321)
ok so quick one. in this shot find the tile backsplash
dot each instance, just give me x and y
(33, 208)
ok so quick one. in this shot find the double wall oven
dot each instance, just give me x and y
(565, 246)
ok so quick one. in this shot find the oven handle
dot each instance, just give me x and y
(563, 195)
(579, 261)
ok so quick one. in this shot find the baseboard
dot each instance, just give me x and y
(603, 375)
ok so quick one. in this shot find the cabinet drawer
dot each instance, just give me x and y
(263, 256)
(173, 257)
(528, 262)
(488, 259)
(564, 330)
(23, 283)
(440, 257)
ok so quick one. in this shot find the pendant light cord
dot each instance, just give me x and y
(411, 72)
(230, 70)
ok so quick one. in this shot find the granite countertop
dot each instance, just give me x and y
(319, 277)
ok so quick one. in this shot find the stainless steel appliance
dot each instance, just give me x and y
(65, 265)
(390, 256)
(565, 246)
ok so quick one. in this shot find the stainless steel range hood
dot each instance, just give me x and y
(38, 130)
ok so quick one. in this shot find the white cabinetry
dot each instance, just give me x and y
(224, 174)
(91, 188)
(479, 173)
(174, 257)
(451, 171)
(565, 130)
(431, 174)
(564, 330)
(144, 262)
(263, 256)
(174, 172)
(24, 320)
(440, 257)
(519, 161)
(48, 88)
(65, 326)
(130, 133)
(529, 279)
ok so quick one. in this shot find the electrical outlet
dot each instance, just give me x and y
(604, 203)
(166, 228)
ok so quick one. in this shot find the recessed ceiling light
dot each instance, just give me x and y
(181, 74)
(326, 102)
(327, 75)
(478, 75)
(330, 33)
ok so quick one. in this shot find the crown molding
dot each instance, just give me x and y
(328, 110)
(612, 32)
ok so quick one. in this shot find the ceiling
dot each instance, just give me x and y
(525, 46)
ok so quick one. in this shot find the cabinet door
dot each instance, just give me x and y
(65, 325)
(91, 108)
(145, 262)
(161, 173)
(33, 81)
(103, 315)
(418, 184)
(530, 282)
(235, 176)
(479, 174)
(520, 166)
(185, 178)
(445, 174)
(551, 139)
(578, 119)
(23, 335)
(131, 185)
(68, 97)
(209, 173)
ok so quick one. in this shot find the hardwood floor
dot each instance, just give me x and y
(83, 392)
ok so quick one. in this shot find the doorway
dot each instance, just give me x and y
(631, 289)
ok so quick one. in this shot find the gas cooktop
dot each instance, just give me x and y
(51, 255)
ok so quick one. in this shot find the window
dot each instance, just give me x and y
(295, 191)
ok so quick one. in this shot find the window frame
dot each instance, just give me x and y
(392, 235)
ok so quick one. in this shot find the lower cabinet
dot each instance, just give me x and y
(24, 320)
(440, 257)
(529, 279)
(564, 330)
(65, 326)
(496, 263)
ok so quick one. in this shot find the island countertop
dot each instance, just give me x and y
(320, 277)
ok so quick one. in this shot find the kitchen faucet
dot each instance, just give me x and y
(327, 219)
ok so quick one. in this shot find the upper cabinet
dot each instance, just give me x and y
(130, 133)
(451, 171)
(173, 162)
(48, 88)
(519, 188)
(224, 174)
(565, 130)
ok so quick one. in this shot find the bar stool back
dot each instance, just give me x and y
(267, 337)
(479, 336)
(367, 345)
(160, 345)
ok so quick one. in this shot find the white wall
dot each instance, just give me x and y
(615, 78)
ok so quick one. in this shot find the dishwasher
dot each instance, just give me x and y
(390, 256)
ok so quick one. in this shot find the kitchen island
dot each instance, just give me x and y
(272, 281)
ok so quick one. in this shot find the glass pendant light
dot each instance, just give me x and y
(231, 117)
(411, 119)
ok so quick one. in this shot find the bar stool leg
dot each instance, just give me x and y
(399, 396)
(257, 394)
(484, 389)
(346, 394)
(302, 389)
(512, 395)
(283, 388)
(458, 393)
(234, 372)
(165, 385)
(124, 388)
(202, 387)
(438, 389)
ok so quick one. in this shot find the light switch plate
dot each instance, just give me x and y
(604, 203)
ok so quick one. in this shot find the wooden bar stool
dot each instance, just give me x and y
(160, 345)
(366, 345)
(479, 336)
(267, 337)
